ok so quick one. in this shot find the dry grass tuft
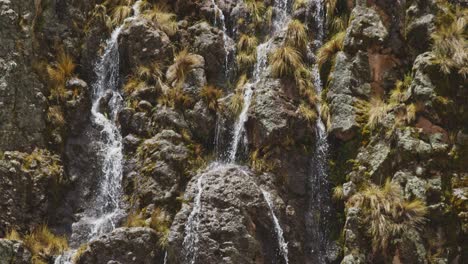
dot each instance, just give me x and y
(296, 35)
(285, 61)
(184, 62)
(327, 52)
(210, 95)
(387, 213)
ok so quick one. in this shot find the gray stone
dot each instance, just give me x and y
(124, 245)
(366, 29)
(13, 252)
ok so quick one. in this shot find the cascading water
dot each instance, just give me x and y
(222, 23)
(319, 201)
(283, 246)
(279, 22)
(106, 210)
(193, 222)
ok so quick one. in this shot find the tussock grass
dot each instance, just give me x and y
(184, 62)
(387, 213)
(307, 112)
(163, 19)
(449, 40)
(42, 242)
(296, 35)
(55, 116)
(285, 61)
(120, 13)
(328, 51)
(210, 95)
(371, 113)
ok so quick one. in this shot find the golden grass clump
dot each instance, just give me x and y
(296, 35)
(307, 112)
(42, 242)
(135, 219)
(327, 52)
(120, 13)
(176, 98)
(247, 53)
(55, 116)
(299, 4)
(449, 40)
(387, 214)
(184, 62)
(284, 62)
(59, 72)
(160, 222)
(164, 20)
(13, 235)
(256, 10)
(371, 113)
(79, 252)
(210, 95)
(397, 95)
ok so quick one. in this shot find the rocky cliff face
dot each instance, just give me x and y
(286, 131)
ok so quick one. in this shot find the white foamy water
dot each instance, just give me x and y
(319, 201)
(283, 246)
(193, 222)
(280, 21)
(220, 20)
(106, 210)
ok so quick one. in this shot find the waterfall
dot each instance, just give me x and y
(106, 210)
(222, 23)
(193, 222)
(280, 21)
(283, 246)
(319, 201)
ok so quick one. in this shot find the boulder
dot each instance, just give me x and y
(141, 43)
(214, 46)
(124, 245)
(13, 252)
(365, 30)
(22, 102)
(30, 186)
(227, 221)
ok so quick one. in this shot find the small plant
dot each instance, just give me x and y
(308, 113)
(285, 61)
(42, 242)
(247, 54)
(165, 21)
(120, 13)
(397, 95)
(13, 235)
(387, 213)
(151, 74)
(449, 40)
(299, 4)
(55, 116)
(256, 10)
(59, 73)
(79, 252)
(176, 98)
(184, 62)
(371, 113)
(210, 95)
(327, 52)
(338, 193)
(296, 35)
(135, 219)
(160, 222)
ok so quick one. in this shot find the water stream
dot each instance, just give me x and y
(106, 210)
(280, 21)
(193, 223)
(283, 246)
(319, 201)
